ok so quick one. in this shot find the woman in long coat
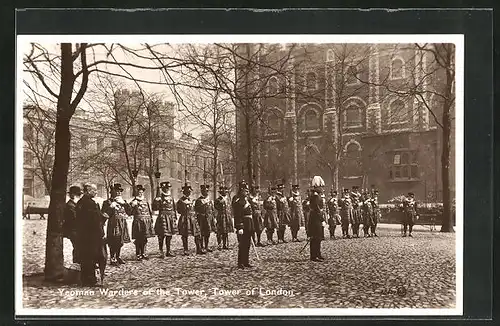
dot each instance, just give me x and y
(142, 226)
(166, 222)
(188, 224)
(117, 230)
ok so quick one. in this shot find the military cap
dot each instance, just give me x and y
(346, 189)
(117, 187)
(186, 187)
(165, 184)
(411, 194)
(204, 187)
(355, 187)
(334, 191)
(295, 187)
(75, 190)
(140, 187)
(222, 188)
(273, 188)
(280, 186)
(243, 185)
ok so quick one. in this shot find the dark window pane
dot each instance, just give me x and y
(405, 158)
(404, 171)
(312, 121)
(414, 171)
(397, 172)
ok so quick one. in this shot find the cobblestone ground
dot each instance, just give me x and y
(385, 272)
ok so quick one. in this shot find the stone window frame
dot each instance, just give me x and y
(280, 117)
(268, 86)
(360, 149)
(330, 55)
(397, 166)
(316, 81)
(403, 64)
(356, 79)
(360, 104)
(389, 113)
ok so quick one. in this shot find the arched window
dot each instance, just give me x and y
(352, 75)
(398, 112)
(311, 81)
(272, 85)
(330, 56)
(273, 123)
(352, 118)
(311, 120)
(352, 160)
(397, 68)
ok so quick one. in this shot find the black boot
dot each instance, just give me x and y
(119, 260)
(199, 247)
(169, 252)
(185, 246)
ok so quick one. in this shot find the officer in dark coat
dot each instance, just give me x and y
(204, 209)
(356, 211)
(142, 225)
(333, 213)
(69, 224)
(257, 210)
(376, 212)
(306, 207)
(243, 222)
(345, 205)
(367, 213)
(296, 213)
(316, 219)
(410, 213)
(188, 224)
(117, 230)
(90, 234)
(224, 218)
(166, 222)
(271, 215)
(283, 212)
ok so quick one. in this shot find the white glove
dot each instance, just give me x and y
(323, 224)
(418, 217)
(113, 205)
(157, 198)
(240, 231)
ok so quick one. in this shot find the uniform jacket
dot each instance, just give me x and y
(205, 212)
(271, 215)
(243, 218)
(188, 224)
(316, 216)
(296, 212)
(166, 222)
(223, 215)
(69, 225)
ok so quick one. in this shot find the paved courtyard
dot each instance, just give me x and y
(385, 272)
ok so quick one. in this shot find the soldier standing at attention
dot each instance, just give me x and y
(367, 213)
(306, 209)
(345, 205)
(356, 210)
(333, 212)
(188, 225)
(271, 215)
(283, 213)
(316, 219)
(296, 213)
(166, 222)
(243, 222)
(376, 213)
(257, 207)
(117, 231)
(224, 219)
(142, 225)
(410, 213)
(69, 224)
(205, 215)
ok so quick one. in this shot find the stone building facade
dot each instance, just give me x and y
(339, 98)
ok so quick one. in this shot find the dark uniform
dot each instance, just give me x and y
(258, 220)
(69, 224)
(117, 230)
(166, 222)
(306, 209)
(333, 213)
(345, 205)
(316, 220)
(90, 234)
(410, 213)
(142, 225)
(296, 212)
(283, 213)
(223, 218)
(188, 224)
(367, 213)
(243, 222)
(271, 216)
(356, 211)
(204, 208)
(376, 213)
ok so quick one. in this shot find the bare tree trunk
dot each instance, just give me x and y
(54, 258)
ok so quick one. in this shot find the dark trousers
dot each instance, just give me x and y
(87, 274)
(345, 228)
(355, 229)
(76, 258)
(244, 249)
(161, 239)
(140, 245)
(115, 247)
(315, 247)
(281, 232)
(373, 228)
(332, 228)
(407, 226)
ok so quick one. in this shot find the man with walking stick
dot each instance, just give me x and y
(243, 222)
